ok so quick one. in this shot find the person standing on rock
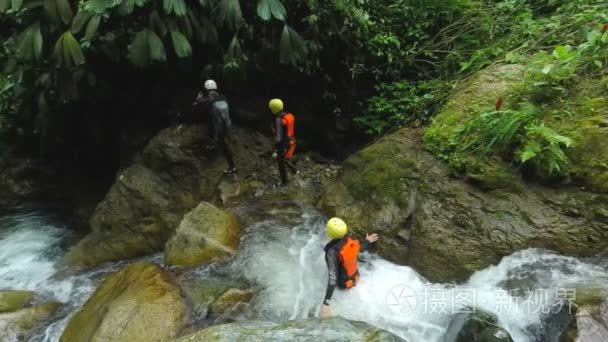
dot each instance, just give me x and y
(284, 129)
(216, 105)
(341, 255)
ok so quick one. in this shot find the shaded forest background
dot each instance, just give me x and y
(85, 84)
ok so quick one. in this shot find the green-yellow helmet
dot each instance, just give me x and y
(336, 228)
(275, 105)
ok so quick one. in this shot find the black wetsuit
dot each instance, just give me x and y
(335, 270)
(217, 106)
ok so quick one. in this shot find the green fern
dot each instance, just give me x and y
(545, 149)
(496, 130)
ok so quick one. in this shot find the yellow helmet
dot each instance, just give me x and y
(336, 228)
(275, 105)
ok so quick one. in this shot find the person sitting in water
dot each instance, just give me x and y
(341, 255)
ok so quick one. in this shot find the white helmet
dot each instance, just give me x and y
(210, 85)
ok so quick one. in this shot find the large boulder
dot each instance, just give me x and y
(206, 234)
(141, 302)
(149, 198)
(447, 228)
(333, 329)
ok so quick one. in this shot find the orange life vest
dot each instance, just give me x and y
(288, 121)
(347, 257)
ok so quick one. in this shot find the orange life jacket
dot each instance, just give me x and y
(347, 257)
(288, 121)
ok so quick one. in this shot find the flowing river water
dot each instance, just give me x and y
(284, 258)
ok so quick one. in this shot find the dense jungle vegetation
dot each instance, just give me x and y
(77, 74)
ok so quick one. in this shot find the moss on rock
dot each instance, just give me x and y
(141, 302)
(448, 228)
(19, 324)
(230, 300)
(14, 300)
(206, 234)
(335, 329)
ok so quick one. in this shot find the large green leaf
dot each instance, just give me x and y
(65, 11)
(228, 13)
(157, 24)
(271, 8)
(30, 43)
(92, 27)
(181, 45)
(80, 20)
(16, 5)
(50, 9)
(292, 47)
(177, 7)
(157, 48)
(4, 5)
(127, 6)
(146, 48)
(67, 52)
(100, 6)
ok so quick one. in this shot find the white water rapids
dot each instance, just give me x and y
(286, 261)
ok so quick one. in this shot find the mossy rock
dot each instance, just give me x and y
(334, 329)
(476, 326)
(206, 234)
(446, 227)
(149, 199)
(476, 93)
(141, 302)
(581, 115)
(202, 292)
(19, 324)
(14, 300)
(231, 300)
(588, 127)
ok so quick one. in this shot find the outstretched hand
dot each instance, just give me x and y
(325, 311)
(372, 238)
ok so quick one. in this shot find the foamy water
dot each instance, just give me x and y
(286, 261)
(289, 264)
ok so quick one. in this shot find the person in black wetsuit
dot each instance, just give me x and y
(216, 105)
(341, 255)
